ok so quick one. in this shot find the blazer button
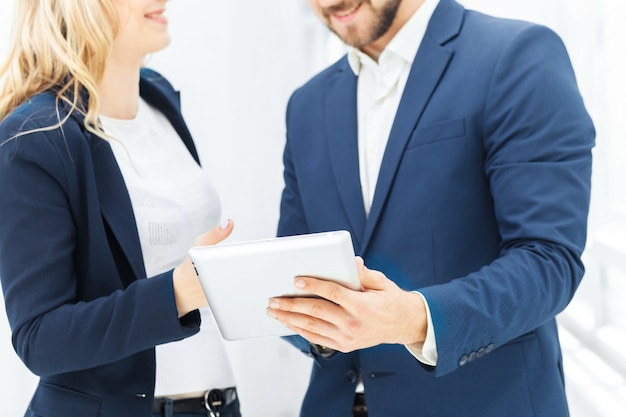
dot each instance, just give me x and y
(481, 352)
(472, 356)
(464, 359)
(489, 348)
(351, 376)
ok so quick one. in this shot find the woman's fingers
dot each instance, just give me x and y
(215, 235)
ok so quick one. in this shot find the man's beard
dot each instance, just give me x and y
(382, 20)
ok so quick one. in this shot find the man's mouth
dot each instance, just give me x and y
(347, 12)
(343, 15)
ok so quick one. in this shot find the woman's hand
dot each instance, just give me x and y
(187, 289)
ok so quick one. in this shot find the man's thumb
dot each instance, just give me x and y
(370, 278)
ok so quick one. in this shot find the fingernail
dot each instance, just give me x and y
(299, 283)
(270, 313)
(225, 225)
(274, 305)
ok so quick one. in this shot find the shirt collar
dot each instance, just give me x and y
(406, 42)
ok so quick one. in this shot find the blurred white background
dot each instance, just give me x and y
(236, 63)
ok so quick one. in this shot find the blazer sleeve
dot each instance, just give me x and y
(537, 142)
(54, 328)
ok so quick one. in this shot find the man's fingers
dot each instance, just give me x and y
(315, 308)
(323, 288)
(305, 318)
(315, 338)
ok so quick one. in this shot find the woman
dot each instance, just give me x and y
(101, 189)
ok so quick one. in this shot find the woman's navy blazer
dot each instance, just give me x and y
(83, 315)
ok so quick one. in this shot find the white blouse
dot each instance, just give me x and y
(173, 201)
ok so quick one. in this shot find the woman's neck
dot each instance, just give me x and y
(119, 90)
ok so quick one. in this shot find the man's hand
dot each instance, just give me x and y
(347, 320)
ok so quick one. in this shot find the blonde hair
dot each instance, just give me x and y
(60, 46)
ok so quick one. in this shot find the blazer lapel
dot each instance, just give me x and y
(168, 102)
(341, 131)
(428, 67)
(115, 205)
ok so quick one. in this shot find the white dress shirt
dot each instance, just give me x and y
(173, 201)
(379, 91)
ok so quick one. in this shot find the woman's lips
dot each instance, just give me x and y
(157, 16)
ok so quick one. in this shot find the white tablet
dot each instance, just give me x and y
(240, 278)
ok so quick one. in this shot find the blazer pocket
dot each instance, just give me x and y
(436, 132)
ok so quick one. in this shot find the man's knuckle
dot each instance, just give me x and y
(316, 311)
(311, 325)
(353, 327)
(334, 293)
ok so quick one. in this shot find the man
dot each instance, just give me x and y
(456, 149)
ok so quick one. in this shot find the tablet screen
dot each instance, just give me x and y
(239, 278)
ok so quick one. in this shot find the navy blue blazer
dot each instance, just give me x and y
(83, 315)
(481, 204)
